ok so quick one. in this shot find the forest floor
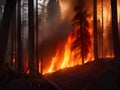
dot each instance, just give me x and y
(97, 75)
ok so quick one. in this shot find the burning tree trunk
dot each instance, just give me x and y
(4, 29)
(116, 44)
(95, 29)
(19, 40)
(31, 34)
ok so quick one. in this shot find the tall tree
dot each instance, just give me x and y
(19, 40)
(95, 29)
(82, 42)
(116, 45)
(31, 35)
(42, 20)
(13, 38)
(4, 29)
(102, 24)
(37, 56)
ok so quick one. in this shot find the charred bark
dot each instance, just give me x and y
(31, 35)
(95, 29)
(4, 29)
(116, 45)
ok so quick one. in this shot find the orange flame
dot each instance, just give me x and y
(68, 59)
(64, 57)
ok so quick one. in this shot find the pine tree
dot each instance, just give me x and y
(82, 42)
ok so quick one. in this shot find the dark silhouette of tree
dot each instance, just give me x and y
(102, 24)
(19, 40)
(37, 56)
(95, 29)
(31, 35)
(4, 29)
(13, 38)
(82, 42)
(116, 44)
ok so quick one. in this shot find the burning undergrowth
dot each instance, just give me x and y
(77, 48)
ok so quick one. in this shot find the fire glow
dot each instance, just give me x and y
(64, 57)
(68, 58)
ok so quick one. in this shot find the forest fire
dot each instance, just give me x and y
(66, 53)
(60, 44)
(66, 57)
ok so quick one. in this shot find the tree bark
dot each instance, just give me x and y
(116, 45)
(31, 35)
(19, 40)
(95, 29)
(4, 29)
(102, 25)
(13, 37)
(37, 56)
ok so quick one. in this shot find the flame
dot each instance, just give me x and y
(67, 58)
(63, 56)
(54, 59)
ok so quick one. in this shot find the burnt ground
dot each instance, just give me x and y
(96, 75)
(10, 79)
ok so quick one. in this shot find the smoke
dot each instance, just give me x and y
(55, 29)
(55, 23)
(67, 9)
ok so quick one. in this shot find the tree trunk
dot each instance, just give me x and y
(19, 40)
(95, 29)
(102, 25)
(37, 56)
(13, 36)
(116, 44)
(31, 35)
(4, 29)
